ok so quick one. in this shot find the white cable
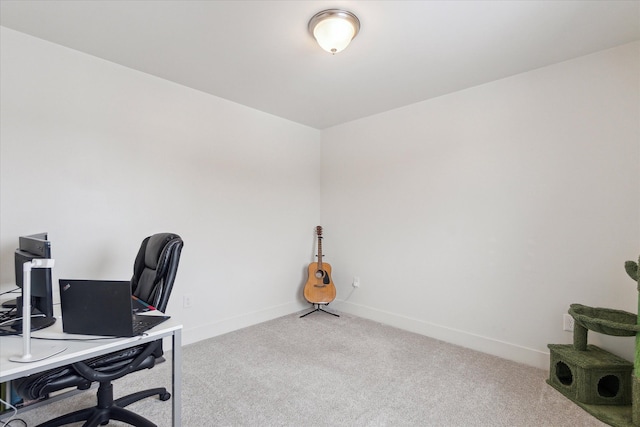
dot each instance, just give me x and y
(15, 412)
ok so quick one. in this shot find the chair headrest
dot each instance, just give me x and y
(155, 245)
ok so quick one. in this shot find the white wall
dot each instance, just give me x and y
(101, 156)
(479, 216)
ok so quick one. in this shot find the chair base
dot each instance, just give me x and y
(109, 409)
(319, 309)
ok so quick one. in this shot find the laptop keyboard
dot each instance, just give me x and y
(143, 323)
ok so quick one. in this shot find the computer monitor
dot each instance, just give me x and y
(33, 247)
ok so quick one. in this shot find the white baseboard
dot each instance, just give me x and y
(505, 350)
(210, 330)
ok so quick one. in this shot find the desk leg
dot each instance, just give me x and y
(176, 375)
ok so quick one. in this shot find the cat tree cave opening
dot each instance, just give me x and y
(609, 386)
(564, 374)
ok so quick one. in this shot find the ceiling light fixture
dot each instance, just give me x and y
(334, 29)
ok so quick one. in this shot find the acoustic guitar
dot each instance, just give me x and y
(319, 288)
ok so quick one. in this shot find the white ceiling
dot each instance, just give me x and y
(259, 53)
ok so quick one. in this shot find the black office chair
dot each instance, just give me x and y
(154, 273)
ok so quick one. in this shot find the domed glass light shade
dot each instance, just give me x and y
(334, 29)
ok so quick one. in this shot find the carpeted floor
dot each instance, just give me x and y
(328, 371)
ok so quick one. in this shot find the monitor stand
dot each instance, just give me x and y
(14, 327)
(12, 303)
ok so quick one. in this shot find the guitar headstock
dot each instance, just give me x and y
(319, 231)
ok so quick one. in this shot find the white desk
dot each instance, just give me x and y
(81, 350)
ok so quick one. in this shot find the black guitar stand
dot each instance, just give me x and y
(319, 309)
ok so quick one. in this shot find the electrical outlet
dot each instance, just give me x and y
(568, 322)
(187, 301)
(356, 282)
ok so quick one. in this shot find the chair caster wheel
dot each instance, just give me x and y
(165, 396)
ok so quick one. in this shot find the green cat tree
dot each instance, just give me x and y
(605, 385)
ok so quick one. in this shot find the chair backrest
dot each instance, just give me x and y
(154, 270)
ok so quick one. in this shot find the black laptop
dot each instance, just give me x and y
(102, 307)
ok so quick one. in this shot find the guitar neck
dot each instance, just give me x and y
(320, 252)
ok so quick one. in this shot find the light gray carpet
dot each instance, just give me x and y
(327, 371)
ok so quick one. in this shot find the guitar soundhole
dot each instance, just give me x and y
(321, 274)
